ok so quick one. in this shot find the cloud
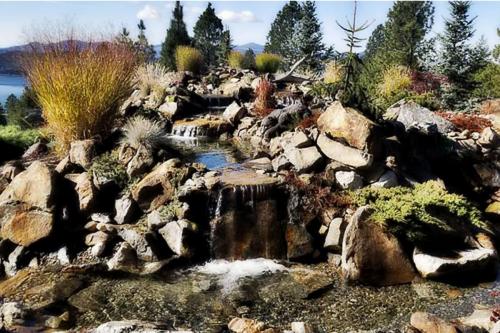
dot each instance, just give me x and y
(148, 12)
(244, 16)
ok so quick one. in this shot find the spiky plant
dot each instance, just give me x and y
(143, 132)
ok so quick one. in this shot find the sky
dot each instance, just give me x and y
(248, 21)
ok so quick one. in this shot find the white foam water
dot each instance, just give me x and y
(230, 272)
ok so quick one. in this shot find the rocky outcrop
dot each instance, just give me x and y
(371, 255)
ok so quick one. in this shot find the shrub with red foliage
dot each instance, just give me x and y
(264, 101)
(463, 121)
(422, 82)
(309, 121)
(315, 197)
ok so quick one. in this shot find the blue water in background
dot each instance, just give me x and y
(11, 84)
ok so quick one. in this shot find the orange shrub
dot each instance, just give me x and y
(264, 102)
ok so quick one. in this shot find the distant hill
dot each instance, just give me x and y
(256, 48)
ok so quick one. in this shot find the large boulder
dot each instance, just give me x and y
(410, 114)
(371, 255)
(33, 187)
(234, 113)
(344, 154)
(82, 152)
(25, 227)
(475, 260)
(176, 234)
(158, 187)
(347, 124)
(141, 242)
(304, 159)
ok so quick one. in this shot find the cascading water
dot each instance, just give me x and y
(246, 219)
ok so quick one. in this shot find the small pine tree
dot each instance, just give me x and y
(144, 50)
(248, 60)
(496, 50)
(208, 32)
(124, 38)
(176, 35)
(459, 60)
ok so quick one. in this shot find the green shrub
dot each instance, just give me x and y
(488, 81)
(188, 59)
(107, 166)
(324, 90)
(267, 62)
(235, 60)
(79, 88)
(422, 214)
(16, 136)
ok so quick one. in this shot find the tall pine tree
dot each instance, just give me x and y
(375, 42)
(225, 46)
(208, 32)
(145, 51)
(281, 35)
(309, 38)
(407, 24)
(176, 35)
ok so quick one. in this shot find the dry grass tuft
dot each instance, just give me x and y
(140, 131)
(188, 59)
(79, 85)
(235, 59)
(267, 62)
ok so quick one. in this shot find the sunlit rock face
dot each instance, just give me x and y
(247, 220)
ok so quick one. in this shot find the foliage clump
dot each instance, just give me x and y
(176, 35)
(334, 72)
(79, 86)
(18, 137)
(188, 59)
(421, 214)
(235, 59)
(267, 62)
(107, 166)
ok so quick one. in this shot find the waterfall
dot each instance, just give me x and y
(245, 219)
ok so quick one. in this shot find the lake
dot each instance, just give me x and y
(11, 84)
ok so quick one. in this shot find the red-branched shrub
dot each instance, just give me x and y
(264, 101)
(309, 121)
(463, 121)
(422, 82)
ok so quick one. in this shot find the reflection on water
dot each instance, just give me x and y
(211, 152)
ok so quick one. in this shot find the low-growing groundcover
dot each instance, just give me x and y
(14, 141)
(426, 215)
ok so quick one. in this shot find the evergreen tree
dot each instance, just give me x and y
(459, 60)
(310, 38)
(496, 50)
(248, 59)
(176, 35)
(281, 35)
(145, 51)
(225, 47)
(375, 42)
(208, 32)
(407, 24)
(124, 38)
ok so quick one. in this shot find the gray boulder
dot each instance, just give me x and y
(176, 235)
(304, 159)
(349, 180)
(411, 114)
(234, 113)
(82, 152)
